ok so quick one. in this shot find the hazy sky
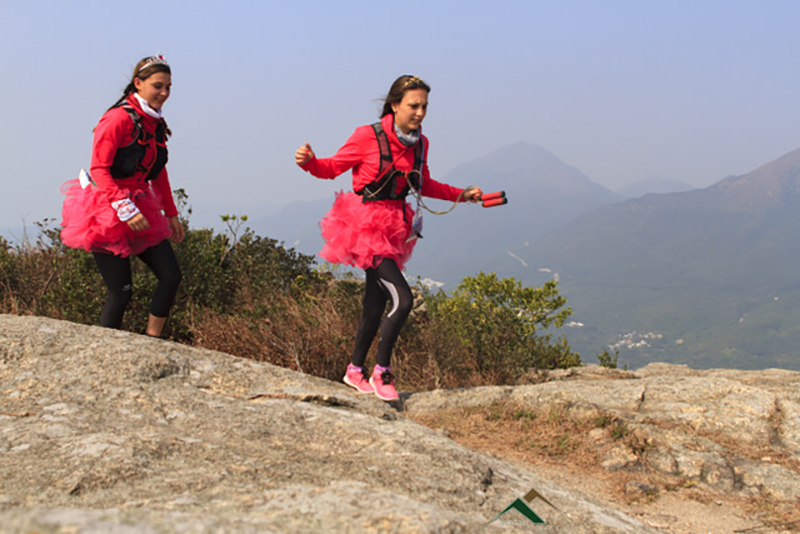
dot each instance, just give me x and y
(623, 90)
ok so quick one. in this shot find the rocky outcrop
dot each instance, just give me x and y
(736, 432)
(107, 431)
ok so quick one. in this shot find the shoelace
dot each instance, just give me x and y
(387, 377)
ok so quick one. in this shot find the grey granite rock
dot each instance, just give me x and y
(107, 431)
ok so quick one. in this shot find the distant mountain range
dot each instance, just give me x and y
(706, 277)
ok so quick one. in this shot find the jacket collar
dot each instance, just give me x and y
(387, 123)
(134, 100)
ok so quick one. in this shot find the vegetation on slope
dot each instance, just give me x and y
(249, 296)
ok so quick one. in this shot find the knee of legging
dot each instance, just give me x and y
(372, 312)
(405, 303)
(120, 296)
(172, 278)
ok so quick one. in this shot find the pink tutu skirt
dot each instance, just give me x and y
(362, 234)
(90, 223)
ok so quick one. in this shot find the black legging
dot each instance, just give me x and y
(116, 273)
(384, 283)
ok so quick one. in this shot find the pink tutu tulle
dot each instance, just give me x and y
(362, 234)
(90, 223)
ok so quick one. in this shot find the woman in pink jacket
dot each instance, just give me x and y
(374, 227)
(124, 207)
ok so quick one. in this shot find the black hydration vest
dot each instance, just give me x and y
(385, 187)
(128, 159)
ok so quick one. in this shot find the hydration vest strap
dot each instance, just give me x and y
(137, 122)
(384, 187)
(419, 153)
(384, 148)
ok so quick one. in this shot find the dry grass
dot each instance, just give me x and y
(552, 436)
(311, 336)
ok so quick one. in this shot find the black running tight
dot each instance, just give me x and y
(384, 283)
(116, 273)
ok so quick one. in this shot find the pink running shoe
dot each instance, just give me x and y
(382, 382)
(356, 377)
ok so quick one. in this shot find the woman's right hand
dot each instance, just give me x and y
(473, 194)
(137, 223)
(304, 154)
(177, 229)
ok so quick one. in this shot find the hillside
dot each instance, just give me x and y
(712, 271)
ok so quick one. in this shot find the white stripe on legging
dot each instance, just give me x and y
(393, 292)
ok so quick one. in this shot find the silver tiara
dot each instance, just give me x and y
(157, 59)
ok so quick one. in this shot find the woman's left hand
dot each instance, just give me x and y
(473, 194)
(304, 154)
(177, 229)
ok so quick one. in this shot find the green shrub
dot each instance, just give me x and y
(607, 359)
(501, 327)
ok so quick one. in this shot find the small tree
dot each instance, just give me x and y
(501, 325)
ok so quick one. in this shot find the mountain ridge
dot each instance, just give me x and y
(728, 246)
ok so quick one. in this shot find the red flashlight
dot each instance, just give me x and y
(498, 198)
